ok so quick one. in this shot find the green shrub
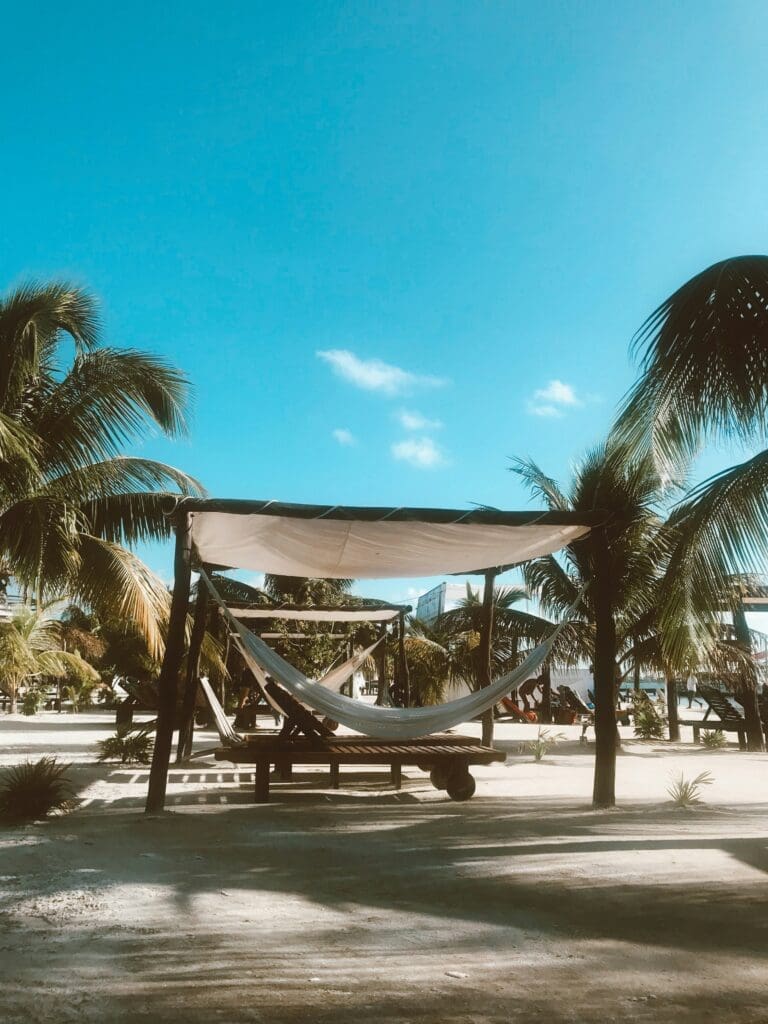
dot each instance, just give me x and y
(714, 739)
(32, 702)
(685, 792)
(544, 740)
(649, 717)
(129, 746)
(32, 790)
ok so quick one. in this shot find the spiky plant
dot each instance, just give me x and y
(545, 739)
(32, 790)
(713, 739)
(686, 792)
(129, 746)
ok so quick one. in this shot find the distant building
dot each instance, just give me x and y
(443, 598)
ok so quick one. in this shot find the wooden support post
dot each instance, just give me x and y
(397, 774)
(404, 675)
(748, 691)
(382, 696)
(334, 774)
(484, 654)
(187, 724)
(169, 673)
(262, 782)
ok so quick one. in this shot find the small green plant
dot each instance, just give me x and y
(129, 746)
(32, 790)
(649, 717)
(544, 740)
(32, 702)
(713, 739)
(685, 792)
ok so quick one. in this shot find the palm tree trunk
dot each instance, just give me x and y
(169, 673)
(486, 634)
(672, 718)
(636, 676)
(546, 694)
(748, 695)
(604, 789)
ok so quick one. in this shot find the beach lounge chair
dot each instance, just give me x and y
(508, 708)
(729, 717)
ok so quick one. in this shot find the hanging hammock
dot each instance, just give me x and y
(371, 720)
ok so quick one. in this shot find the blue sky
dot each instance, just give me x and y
(392, 244)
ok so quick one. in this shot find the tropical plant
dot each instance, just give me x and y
(713, 739)
(647, 715)
(69, 500)
(704, 376)
(686, 792)
(32, 702)
(545, 739)
(129, 746)
(31, 647)
(32, 790)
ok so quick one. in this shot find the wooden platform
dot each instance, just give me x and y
(446, 757)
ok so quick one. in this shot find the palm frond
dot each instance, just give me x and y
(539, 484)
(704, 355)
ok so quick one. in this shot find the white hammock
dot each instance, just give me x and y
(384, 723)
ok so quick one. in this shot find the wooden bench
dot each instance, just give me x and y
(446, 757)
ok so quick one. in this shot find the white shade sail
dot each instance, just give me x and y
(332, 542)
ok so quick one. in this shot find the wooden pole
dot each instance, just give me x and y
(382, 695)
(604, 790)
(748, 694)
(187, 724)
(486, 646)
(169, 673)
(546, 693)
(404, 675)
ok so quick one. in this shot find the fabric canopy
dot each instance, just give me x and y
(381, 614)
(332, 542)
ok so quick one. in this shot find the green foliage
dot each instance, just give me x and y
(648, 716)
(32, 702)
(685, 792)
(713, 739)
(32, 790)
(129, 746)
(545, 739)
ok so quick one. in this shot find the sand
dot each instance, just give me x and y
(367, 904)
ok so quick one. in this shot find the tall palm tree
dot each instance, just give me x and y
(32, 647)
(704, 362)
(620, 567)
(69, 500)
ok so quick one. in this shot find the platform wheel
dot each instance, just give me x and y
(440, 776)
(331, 723)
(461, 786)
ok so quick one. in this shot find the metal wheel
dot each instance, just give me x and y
(461, 786)
(439, 776)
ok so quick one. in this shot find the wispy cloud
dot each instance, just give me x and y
(421, 452)
(343, 436)
(376, 375)
(415, 421)
(553, 400)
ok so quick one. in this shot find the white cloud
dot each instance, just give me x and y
(553, 400)
(415, 421)
(374, 374)
(544, 410)
(343, 436)
(421, 452)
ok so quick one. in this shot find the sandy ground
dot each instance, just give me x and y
(363, 903)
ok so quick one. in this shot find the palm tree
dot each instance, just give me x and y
(69, 500)
(31, 647)
(620, 563)
(704, 377)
